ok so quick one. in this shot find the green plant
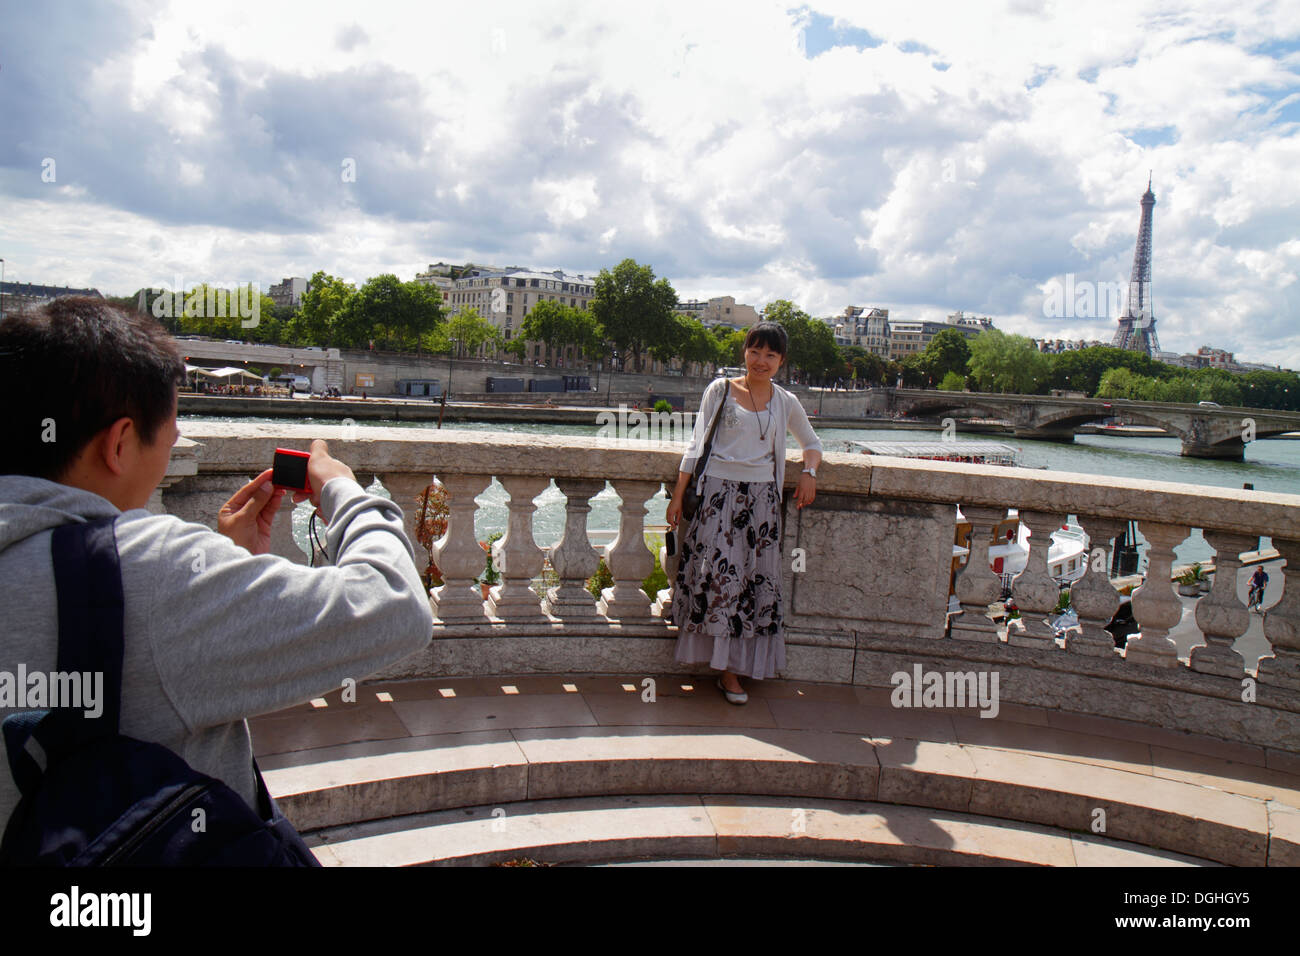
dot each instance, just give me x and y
(1062, 602)
(656, 580)
(490, 574)
(663, 405)
(1192, 575)
(600, 580)
(274, 373)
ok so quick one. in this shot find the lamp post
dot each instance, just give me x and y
(2, 290)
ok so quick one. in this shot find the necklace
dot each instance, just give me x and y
(762, 435)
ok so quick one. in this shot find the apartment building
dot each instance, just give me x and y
(504, 297)
(288, 292)
(720, 310)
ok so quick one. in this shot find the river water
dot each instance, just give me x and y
(1270, 465)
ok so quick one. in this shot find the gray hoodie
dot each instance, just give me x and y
(213, 634)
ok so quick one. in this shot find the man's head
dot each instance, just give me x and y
(88, 398)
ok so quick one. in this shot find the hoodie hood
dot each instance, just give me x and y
(30, 506)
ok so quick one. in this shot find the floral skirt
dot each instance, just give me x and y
(727, 595)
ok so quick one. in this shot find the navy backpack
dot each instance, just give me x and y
(93, 797)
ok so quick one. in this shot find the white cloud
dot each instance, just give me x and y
(692, 135)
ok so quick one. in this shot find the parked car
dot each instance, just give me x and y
(1209, 404)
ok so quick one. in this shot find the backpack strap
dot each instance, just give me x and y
(88, 581)
(88, 577)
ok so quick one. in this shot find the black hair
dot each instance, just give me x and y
(768, 335)
(72, 367)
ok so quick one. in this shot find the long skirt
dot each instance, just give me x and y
(727, 595)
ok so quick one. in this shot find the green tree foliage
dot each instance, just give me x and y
(391, 313)
(948, 351)
(953, 382)
(313, 324)
(466, 332)
(1007, 363)
(689, 342)
(635, 312)
(557, 326)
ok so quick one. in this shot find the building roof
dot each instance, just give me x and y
(43, 291)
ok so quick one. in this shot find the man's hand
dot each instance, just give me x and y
(321, 467)
(246, 518)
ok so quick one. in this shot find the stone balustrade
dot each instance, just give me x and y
(867, 571)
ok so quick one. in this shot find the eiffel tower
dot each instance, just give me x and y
(1137, 326)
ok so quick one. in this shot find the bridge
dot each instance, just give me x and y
(323, 366)
(1205, 432)
(544, 722)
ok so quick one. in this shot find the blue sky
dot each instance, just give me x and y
(921, 157)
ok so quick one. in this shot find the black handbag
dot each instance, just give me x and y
(691, 498)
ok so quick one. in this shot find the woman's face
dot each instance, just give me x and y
(762, 362)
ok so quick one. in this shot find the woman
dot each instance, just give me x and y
(727, 596)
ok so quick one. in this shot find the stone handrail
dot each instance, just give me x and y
(867, 569)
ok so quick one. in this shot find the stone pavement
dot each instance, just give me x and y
(472, 771)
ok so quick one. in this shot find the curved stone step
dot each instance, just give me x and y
(329, 787)
(403, 748)
(721, 829)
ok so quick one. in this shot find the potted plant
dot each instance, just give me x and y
(490, 575)
(1190, 581)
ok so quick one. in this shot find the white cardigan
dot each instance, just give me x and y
(785, 406)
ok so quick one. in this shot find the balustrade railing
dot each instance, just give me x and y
(877, 545)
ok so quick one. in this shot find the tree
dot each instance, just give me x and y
(313, 324)
(634, 311)
(948, 351)
(466, 331)
(953, 382)
(557, 326)
(395, 313)
(1007, 363)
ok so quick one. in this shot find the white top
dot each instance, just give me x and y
(739, 452)
(744, 460)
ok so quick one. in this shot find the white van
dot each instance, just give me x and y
(296, 383)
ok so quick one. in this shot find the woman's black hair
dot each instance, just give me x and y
(768, 335)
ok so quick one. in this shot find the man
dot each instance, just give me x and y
(216, 630)
(1258, 581)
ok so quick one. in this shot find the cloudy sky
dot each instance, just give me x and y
(921, 157)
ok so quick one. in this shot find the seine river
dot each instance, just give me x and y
(1270, 465)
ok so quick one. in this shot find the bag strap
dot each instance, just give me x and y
(88, 577)
(88, 585)
(708, 442)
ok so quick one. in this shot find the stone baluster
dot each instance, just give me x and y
(977, 586)
(663, 601)
(1282, 624)
(1034, 590)
(1156, 607)
(1220, 615)
(1092, 596)
(406, 488)
(573, 558)
(457, 553)
(517, 555)
(628, 557)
